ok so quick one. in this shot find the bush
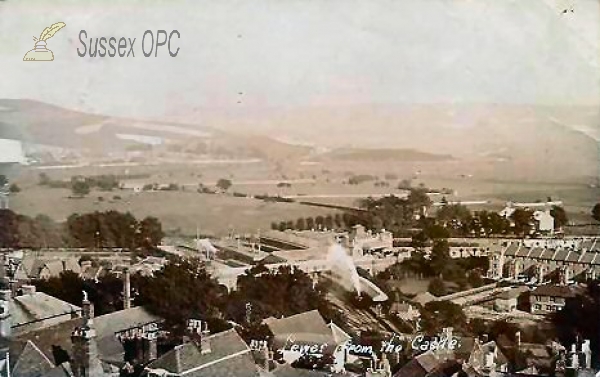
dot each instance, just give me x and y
(437, 287)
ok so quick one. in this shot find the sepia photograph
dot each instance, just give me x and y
(300, 188)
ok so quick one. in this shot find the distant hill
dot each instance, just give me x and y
(548, 141)
(43, 124)
(384, 154)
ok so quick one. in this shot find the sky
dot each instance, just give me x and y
(256, 54)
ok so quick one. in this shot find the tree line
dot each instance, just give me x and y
(92, 230)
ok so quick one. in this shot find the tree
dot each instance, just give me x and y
(269, 294)
(560, 217)
(328, 222)
(418, 198)
(523, 219)
(44, 179)
(3, 180)
(224, 184)
(80, 188)
(182, 290)
(440, 259)
(439, 314)
(574, 320)
(300, 224)
(14, 188)
(151, 232)
(9, 226)
(596, 212)
(437, 287)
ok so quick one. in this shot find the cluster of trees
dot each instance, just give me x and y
(82, 185)
(441, 268)
(361, 178)
(106, 293)
(573, 321)
(184, 290)
(596, 212)
(337, 221)
(113, 229)
(393, 213)
(23, 231)
(98, 229)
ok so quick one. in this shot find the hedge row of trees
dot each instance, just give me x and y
(336, 221)
(97, 229)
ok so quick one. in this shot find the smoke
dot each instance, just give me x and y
(342, 264)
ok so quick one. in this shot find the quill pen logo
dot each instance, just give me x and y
(40, 52)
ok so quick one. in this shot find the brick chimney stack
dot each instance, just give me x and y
(127, 289)
(85, 350)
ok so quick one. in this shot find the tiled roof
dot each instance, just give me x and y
(308, 327)
(229, 356)
(553, 291)
(32, 362)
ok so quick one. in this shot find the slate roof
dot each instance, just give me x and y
(229, 357)
(547, 254)
(561, 255)
(536, 252)
(46, 339)
(59, 335)
(62, 370)
(28, 311)
(287, 370)
(512, 249)
(522, 252)
(112, 323)
(588, 257)
(32, 362)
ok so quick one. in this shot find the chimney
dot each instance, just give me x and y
(127, 289)
(267, 357)
(5, 316)
(85, 361)
(205, 340)
(150, 348)
(587, 352)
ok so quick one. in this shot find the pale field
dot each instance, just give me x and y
(212, 214)
(472, 181)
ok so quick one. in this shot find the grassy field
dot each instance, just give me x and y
(212, 214)
(323, 183)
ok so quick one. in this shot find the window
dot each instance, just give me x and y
(552, 298)
(549, 307)
(538, 307)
